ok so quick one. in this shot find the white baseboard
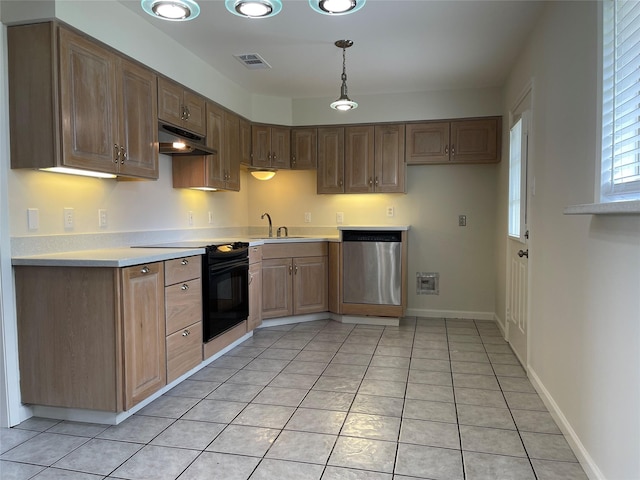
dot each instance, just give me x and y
(418, 312)
(587, 463)
(500, 325)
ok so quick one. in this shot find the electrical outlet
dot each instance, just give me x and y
(102, 218)
(190, 217)
(340, 217)
(210, 217)
(390, 211)
(307, 217)
(33, 218)
(69, 221)
(462, 220)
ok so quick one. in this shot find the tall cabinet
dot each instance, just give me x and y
(92, 109)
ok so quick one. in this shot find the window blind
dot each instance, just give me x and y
(621, 100)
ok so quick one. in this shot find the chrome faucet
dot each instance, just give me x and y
(270, 225)
(286, 231)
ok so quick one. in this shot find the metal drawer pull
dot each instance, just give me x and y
(250, 278)
(184, 262)
(145, 270)
(184, 287)
(186, 333)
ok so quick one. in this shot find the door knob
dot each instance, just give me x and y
(523, 253)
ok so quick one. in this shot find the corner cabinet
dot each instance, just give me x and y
(270, 146)
(473, 140)
(93, 109)
(294, 279)
(372, 160)
(95, 339)
(220, 171)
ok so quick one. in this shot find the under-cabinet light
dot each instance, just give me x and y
(76, 171)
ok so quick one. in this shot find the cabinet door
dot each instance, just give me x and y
(143, 330)
(280, 147)
(330, 160)
(138, 126)
(232, 151)
(215, 139)
(170, 106)
(389, 168)
(358, 159)
(427, 143)
(255, 296)
(304, 148)
(245, 142)
(277, 287)
(196, 112)
(310, 285)
(260, 146)
(88, 104)
(475, 141)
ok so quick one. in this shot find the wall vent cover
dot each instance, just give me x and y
(252, 61)
(427, 283)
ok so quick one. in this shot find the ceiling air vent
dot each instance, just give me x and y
(252, 61)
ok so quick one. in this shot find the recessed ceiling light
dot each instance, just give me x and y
(336, 7)
(254, 8)
(173, 10)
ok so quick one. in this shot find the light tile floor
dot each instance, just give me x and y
(430, 399)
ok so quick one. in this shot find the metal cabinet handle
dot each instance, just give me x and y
(145, 270)
(186, 333)
(296, 269)
(116, 153)
(370, 182)
(184, 262)
(184, 287)
(376, 182)
(340, 182)
(290, 269)
(123, 155)
(274, 155)
(453, 149)
(523, 253)
(250, 278)
(188, 113)
(446, 149)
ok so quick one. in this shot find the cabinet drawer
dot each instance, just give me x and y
(182, 269)
(184, 350)
(255, 254)
(183, 304)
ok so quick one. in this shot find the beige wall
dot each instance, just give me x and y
(584, 321)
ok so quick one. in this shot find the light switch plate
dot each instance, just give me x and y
(69, 221)
(340, 217)
(33, 218)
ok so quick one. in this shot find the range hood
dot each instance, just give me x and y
(170, 139)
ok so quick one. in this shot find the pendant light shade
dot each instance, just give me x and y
(336, 7)
(172, 10)
(254, 8)
(344, 103)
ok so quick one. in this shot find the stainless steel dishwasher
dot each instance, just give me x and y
(371, 267)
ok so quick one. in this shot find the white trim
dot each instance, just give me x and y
(587, 463)
(610, 208)
(428, 313)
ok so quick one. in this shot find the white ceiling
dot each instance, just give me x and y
(399, 45)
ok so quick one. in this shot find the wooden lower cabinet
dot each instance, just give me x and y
(254, 319)
(95, 337)
(294, 285)
(183, 304)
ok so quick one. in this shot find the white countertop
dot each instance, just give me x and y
(127, 256)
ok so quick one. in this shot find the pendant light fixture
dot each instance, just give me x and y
(172, 10)
(262, 174)
(336, 7)
(254, 8)
(344, 103)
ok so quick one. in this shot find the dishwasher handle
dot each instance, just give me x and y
(371, 236)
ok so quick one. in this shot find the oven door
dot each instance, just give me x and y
(225, 296)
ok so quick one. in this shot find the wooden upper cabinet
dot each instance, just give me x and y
(245, 142)
(221, 170)
(92, 108)
(330, 160)
(389, 165)
(304, 148)
(476, 140)
(359, 158)
(181, 107)
(137, 92)
(270, 146)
